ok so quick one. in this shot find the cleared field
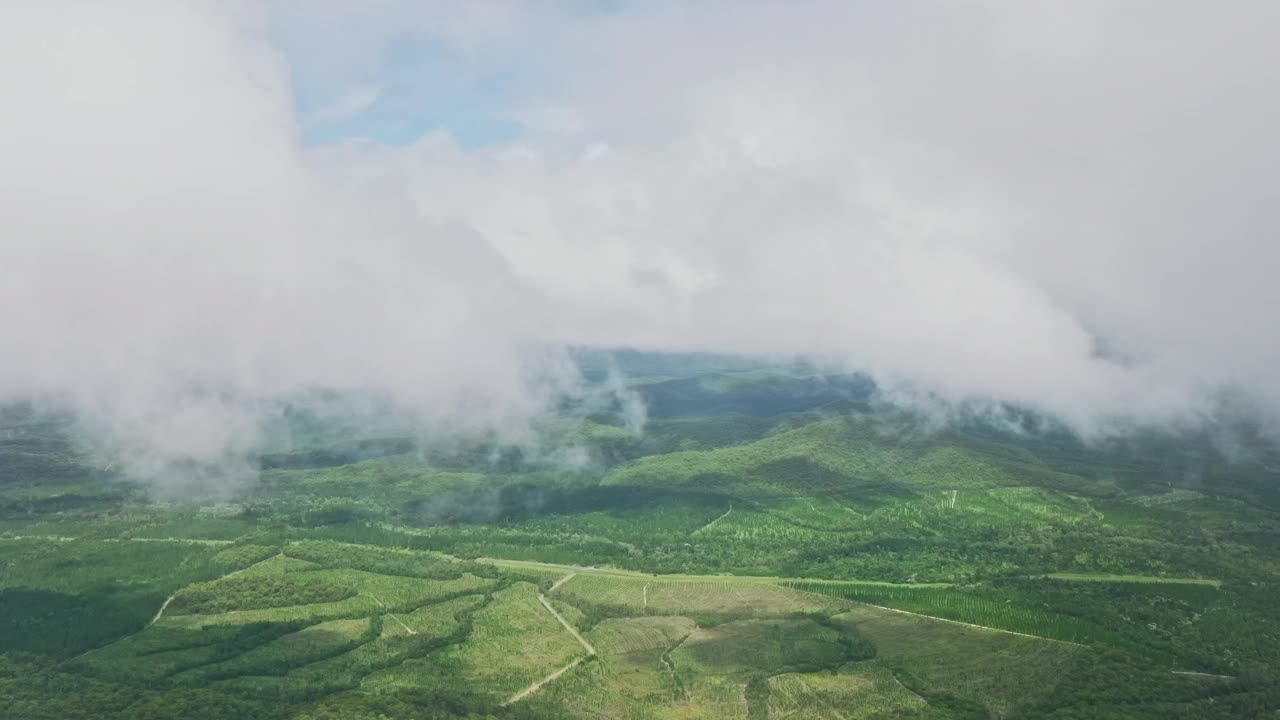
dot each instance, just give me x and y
(951, 604)
(609, 590)
(997, 669)
(619, 636)
(514, 642)
(639, 686)
(665, 667)
(677, 596)
(551, 570)
(728, 596)
(709, 697)
(632, 678)
(754, 647)
(432, 625)
(857, 692)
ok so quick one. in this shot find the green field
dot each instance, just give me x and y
(771, 545)
(1001, 669)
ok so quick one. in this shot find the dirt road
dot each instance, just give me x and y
(547, 604)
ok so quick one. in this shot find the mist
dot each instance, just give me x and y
(1065, 207)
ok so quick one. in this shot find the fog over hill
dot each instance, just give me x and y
(205, 206)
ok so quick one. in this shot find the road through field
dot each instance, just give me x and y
(573, 570)
(163, 606)
(382, 605)
(72, 538)
(562, 581)
(679, 577)
(538, 685)
(958, 622)
(552, 677)
(233, 573)
(713, 522)
(547, 604)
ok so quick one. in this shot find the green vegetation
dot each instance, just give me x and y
(941, 659)
(774, 544)
(311, 643)
(700, 596)
(1080, 577)
(867, 692)
(968, 607)
(256, 592)
(59, 598)
(514, 642)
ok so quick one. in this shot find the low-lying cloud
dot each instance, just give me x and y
(1071, 207)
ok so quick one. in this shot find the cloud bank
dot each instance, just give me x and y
(1071, 207)
(172, 262)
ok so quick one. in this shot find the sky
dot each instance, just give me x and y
(1070, 206)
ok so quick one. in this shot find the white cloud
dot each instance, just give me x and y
(976, 195)
(351, 103)
(172, 259)
(970, 195)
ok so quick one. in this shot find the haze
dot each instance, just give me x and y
(1067, 206)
